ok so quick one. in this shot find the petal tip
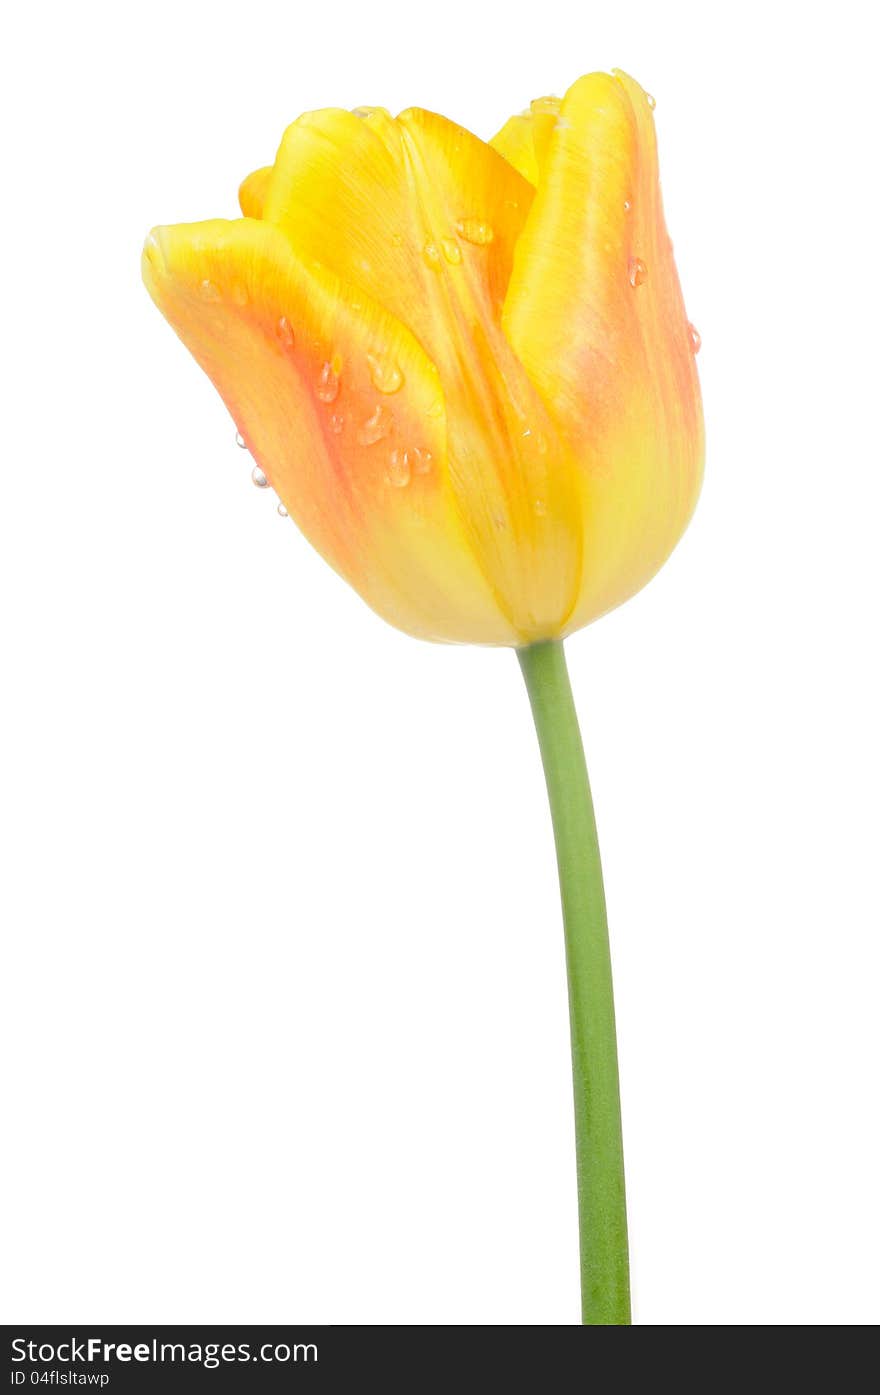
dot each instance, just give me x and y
(154, 265)
(634, 90)
(253, 192)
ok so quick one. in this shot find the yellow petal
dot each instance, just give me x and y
(384, 202)
(254, 191)
(362, 469)
(515, 141)
(424, 217)
(594, 311)
(524, 139)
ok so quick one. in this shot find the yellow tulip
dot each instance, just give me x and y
(467, 371)
(465, 368)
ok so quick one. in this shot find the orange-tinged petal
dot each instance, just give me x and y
(254, 191)
(594, 311)
(424, 217)
(362, 469)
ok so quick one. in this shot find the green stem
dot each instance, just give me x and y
(598, 1140)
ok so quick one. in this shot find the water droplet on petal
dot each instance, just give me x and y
(399, 468)
(451, 251)
(336, 424)
(376, 426)
(281, 510)
(240, 441)
(328, 384)
(421, 460)
(436, 408)
(363, 112)
(284, 332)
(258, 478)
(384, 374)
(547, 104)
(431, 254)
(540, 508)
(652, 101)
(637, 271)
(696, 338)
(208, 291)
(475, 230)
(626, 205)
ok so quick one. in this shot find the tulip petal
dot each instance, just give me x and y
(524, 139)
(362, 469)
(390, 205)
(515, 141)
(424, 217)
(594, 311)
(254, 191)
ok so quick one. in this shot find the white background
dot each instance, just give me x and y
(285, 1022)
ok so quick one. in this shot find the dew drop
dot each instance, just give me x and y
(328, 384)
(431, 254)
(540, 508)
(336, 424)
(652, 101)
(363, 112)
(475, 230)
(258, 478)
(208, 291)
(240, 441)
(553, 105)
(421, 460)
(281, 510)
(384, 374)
(284, 332)
(451, 251)
(627, 206)
(376, 427)
(696, 338)
(399, 468)
(637, 271)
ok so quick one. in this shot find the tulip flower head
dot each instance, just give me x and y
(465, 368)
